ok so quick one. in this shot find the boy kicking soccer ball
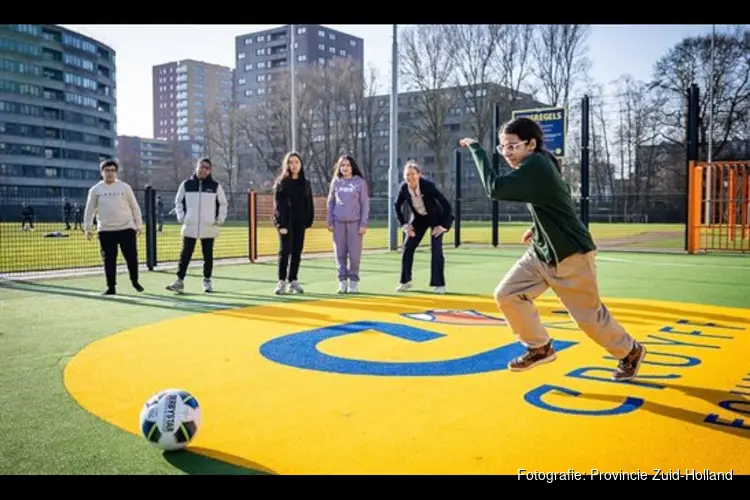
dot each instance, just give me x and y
(561, 257)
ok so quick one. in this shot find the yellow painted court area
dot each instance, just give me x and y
(416, 384)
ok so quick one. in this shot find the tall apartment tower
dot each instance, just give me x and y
(260, 53)
(184, 92)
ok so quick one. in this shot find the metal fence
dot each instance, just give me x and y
(51, 239)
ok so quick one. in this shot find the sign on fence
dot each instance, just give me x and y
(554, 123)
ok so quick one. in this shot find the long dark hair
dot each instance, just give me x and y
(352, 162)
(285, 173)
(527, 129)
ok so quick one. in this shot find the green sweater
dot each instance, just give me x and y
(558, 232)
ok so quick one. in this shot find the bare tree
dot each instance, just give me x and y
(331, 88)
(690, 62)
(178, 165)
(221, 146)
(427, 67)
(364, 114)
(512, 62)
(264, 127)
(561, 61)
(474, 47)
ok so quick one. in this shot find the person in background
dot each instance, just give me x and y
(67, 212)
(27, 216)
(293, 214)
(561, 256)
(159, 213)
(348, 217)
(77, 216)
(201, 207)
(430, 209)
(120, 221)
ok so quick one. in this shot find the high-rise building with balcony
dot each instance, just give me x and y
(57, 113)
(260, 54)
(186, 96)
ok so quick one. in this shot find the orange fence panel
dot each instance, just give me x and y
(719, 207)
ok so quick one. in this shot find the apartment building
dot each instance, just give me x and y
(185, 94)
(260, 55)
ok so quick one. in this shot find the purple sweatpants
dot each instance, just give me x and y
(347, 245)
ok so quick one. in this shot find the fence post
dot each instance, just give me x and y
(252, 221)
(496, 167)
(151, 225)
(457, 203)
(691, 141)
(585, 160)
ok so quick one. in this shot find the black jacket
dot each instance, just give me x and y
(439, 210)
(286, 212)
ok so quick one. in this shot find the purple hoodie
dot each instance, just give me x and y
(349, 201)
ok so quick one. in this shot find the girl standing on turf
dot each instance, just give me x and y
(561, 256)
(348, 216)
(293, 214)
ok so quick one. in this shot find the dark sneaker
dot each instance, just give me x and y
(137, 287)
(109, 291)
(629, 365)
(533, 357)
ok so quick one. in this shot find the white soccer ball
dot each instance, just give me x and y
(170, 419)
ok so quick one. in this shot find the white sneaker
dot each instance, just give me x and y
(439, 289)
(354, 287)
(208, 285)
(403, 287)
(177, 286)
(295, 287)
(280, 288)
(342, 287)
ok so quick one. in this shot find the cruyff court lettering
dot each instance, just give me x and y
(300, 350)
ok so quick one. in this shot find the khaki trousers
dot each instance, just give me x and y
(574, 281)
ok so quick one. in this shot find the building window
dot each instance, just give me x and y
(321, 33)
(302, 57)
(301, 30)
(241, 55)
(241, 81)
(332, 36)
(353, 43)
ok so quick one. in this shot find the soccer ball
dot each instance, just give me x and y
(170, 419)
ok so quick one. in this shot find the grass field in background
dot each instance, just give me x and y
(46, 323)
(30, 251)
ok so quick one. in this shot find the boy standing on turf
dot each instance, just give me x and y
(201, 207)
(561, 255)
(119, 222)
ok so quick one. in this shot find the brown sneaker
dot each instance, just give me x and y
(629, 365)
(532, 357)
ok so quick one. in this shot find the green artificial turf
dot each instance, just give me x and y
(45, 323)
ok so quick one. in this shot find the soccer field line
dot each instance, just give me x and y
(671, 264)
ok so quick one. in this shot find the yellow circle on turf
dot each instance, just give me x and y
(417, 385)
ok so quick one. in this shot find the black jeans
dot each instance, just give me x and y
(127, 241)
(188, 247)
(437, 260)
(290, 252)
